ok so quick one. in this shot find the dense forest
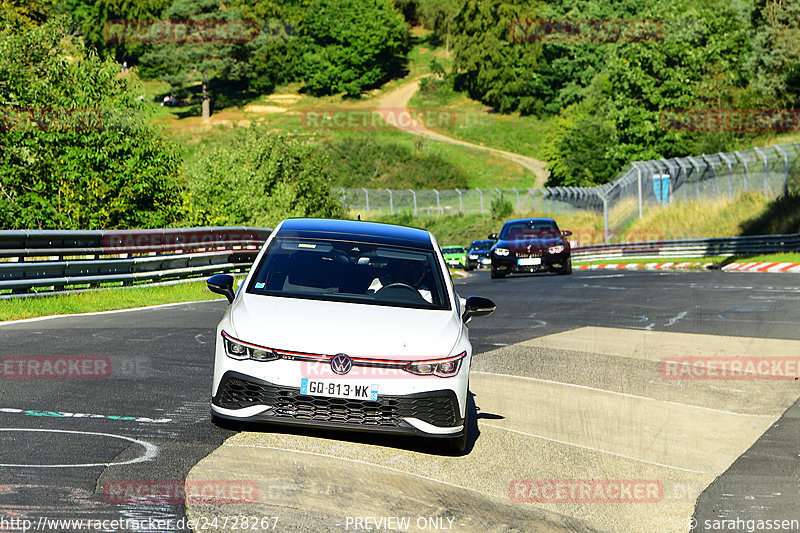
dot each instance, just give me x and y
(604, 87)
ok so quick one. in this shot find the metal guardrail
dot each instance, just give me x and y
(691, 248)
(54, 260)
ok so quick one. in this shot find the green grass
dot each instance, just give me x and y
(476, 123)
(104, 300)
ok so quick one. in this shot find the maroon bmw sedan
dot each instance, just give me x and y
(530, 245)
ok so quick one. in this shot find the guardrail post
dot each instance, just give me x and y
(415, 200)
(438, 205)
(366, 198)
(460, 202)
(785, 170)
(766, 165)
(480, 192)
(391, 201)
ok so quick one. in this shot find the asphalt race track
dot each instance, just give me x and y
(568, 388)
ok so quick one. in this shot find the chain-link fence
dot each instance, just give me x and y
(639, 187)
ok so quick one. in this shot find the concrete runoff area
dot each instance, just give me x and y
(586, 408)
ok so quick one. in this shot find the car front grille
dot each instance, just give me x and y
(529, 254)
(439, 408)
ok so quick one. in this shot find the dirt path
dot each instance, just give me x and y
(398, 100)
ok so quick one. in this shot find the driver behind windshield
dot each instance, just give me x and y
(409, 273)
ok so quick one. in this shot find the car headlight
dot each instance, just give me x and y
(240, 350)
(502, 251)
(444, 368)
(473, 256)
(555, 249)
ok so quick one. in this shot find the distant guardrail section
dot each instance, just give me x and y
(49, 261)
(691, 248)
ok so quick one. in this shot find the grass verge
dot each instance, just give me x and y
(107, 299)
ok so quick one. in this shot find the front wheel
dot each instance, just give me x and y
(496, 274)
(567, 268)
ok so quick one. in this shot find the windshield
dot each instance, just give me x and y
(349, 271)
(482, 245)
(523, 229)
(453, 250)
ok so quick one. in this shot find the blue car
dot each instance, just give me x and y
(478, 255)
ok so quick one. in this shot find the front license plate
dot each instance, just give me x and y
(339, 389)
(528, 261)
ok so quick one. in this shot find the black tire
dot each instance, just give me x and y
(496, 274)
(459, 444)
(567, 270)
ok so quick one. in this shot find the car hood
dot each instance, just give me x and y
(532, 245)
(359, 330)
(478, 252)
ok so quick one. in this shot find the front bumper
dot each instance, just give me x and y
(245, 398)
(549, 262)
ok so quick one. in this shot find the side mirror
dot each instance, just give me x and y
(566, 233)
(221, 284)
(477, 306)
(493, 236)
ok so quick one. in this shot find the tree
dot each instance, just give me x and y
(213, 47)
(490, 67)
(352, 45)
(76, 149)
(260, 178)
(776, 53)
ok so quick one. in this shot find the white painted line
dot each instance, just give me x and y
(599, 451)
(150, 450)
(38, 318)
(625, 394)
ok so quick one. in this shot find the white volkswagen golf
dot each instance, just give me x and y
(349, 325)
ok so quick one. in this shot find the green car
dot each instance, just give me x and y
(455, 256)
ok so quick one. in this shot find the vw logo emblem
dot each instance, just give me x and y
(341, 363)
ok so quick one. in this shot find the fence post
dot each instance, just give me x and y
(533, 199)
(460, 203)
(605, 217)
(713, 172)
(481, 193)
(391, 201)
(415, 200)
(639, 181)
(764, 157)
(744, 163)
(697, 168)
(366, 198)
(517, 192)
(785, 170)
(438, 206)
(730, 175)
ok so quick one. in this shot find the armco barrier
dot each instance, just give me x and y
(53, 260)
(690, 248)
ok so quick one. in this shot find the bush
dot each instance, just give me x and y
(501, 209)
(364, 161)
(259, 178)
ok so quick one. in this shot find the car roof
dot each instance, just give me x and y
(530, 220)
(357, 230)
(482, 240)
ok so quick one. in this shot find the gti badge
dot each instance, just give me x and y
(341, 363)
